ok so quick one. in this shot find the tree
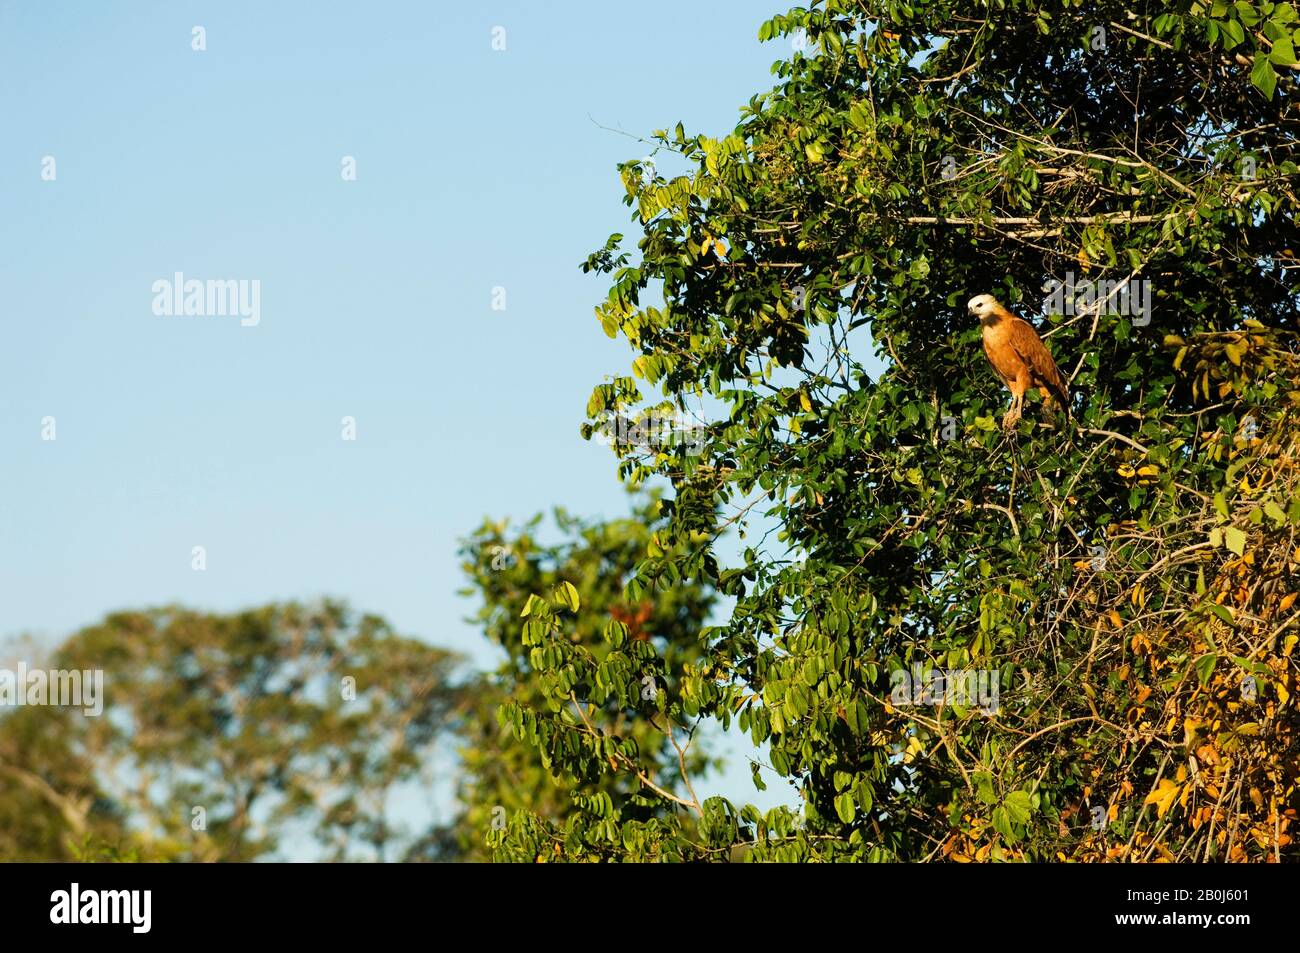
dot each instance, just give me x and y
(223, 736)
(50, 805)
(520, 785)
(1121, 589)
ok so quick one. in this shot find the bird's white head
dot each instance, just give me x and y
(983, 306)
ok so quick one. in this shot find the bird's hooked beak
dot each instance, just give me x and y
(981, 306)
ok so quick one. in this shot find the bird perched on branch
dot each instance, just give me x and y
(1019, 357)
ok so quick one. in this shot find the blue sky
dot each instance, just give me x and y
(475, 169)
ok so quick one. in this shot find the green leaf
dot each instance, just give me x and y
(1222, 612)
(1002, 823)
(1283, 52)
(853, 717)
(615, 633)
(845, 807)
(1263, 77)
(1235, 540)
(1235, 33)
(567, 595)
(1019, 807)
(1205, 667)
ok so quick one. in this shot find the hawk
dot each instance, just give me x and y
(1019, 357)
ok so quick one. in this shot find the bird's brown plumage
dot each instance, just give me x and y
(1019, 356)
(634, 619)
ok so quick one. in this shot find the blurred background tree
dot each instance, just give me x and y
(228, 738)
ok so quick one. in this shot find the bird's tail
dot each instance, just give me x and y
(1060, 393)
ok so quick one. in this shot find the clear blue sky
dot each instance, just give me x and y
(475, 169)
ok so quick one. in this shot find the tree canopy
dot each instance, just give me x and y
(224, 736)
(1125, 581)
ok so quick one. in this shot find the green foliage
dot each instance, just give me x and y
(284, 717)
(566, 744)
(910, 156)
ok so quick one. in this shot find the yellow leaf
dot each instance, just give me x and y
(568, 595)
(1163, 796)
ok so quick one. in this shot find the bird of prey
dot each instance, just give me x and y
(1019, 357)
